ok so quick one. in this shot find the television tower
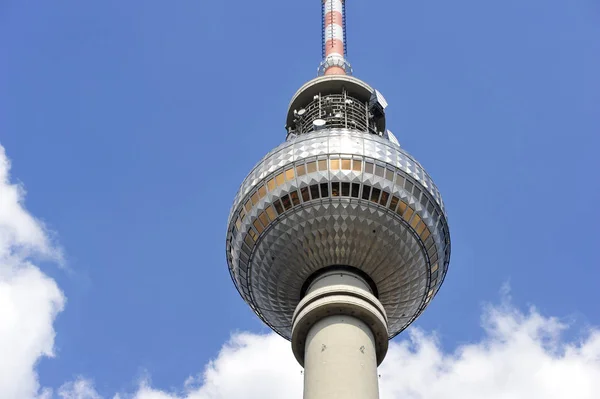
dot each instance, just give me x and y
(338, 238)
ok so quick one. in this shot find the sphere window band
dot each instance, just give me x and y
(345, 189)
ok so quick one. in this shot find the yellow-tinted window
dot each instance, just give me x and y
(415, 221)
(238, 223)
(258, 226)
(434, 268)
(262, 191)
(279, 179)
(425, 235)
(300, 170)
(271, 213)
(242, 214)
(311, 167)
(409, 212)
(289, 174)
(263, 218)
(248, 206)
(271, 184)
(249, 240)
(322, 164)
(356, 165)
(335, 164)
(368, 167)
(346, 164)
(420, 227)
(252, 234)
(401, 208)
(255, 198)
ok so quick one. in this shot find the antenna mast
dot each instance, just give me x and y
(334, 39)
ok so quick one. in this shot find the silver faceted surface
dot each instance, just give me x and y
(398, 234)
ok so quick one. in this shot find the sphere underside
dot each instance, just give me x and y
(337, 197)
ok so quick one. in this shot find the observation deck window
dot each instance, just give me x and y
(346, 189)
(314, 191)
(355, 190)
(305, 194)
(346, 164)
(375, 194)
(356, 165)
(335, 189)
(295, 198)
(384, 198)
(324, 190)
(300, 170)
(366, 193)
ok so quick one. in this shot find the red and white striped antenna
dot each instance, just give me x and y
(334, 39)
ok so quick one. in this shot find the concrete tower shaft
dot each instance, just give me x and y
(340, 336)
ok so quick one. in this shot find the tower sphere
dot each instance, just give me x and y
(339, 194)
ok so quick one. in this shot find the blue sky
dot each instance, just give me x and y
(132, 124)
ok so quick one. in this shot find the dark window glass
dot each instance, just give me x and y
(295, 198)
(409, 186)
(417, 193)
(384, 198)
(305, 194)
(314, 191)
(278, 207)
(394, 203)
(375, 194)
(287, 203)
(324, 190)
(430, 208)
(335, 189)
(355, 189)
(346, 189)
(366, 192)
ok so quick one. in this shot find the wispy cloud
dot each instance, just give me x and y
(29, 300)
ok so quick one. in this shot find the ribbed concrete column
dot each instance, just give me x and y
(340, 337)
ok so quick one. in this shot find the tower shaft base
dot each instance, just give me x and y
(340, 360)
(340, 336)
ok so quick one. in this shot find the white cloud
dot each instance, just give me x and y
(29, 300)
(521, 355)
